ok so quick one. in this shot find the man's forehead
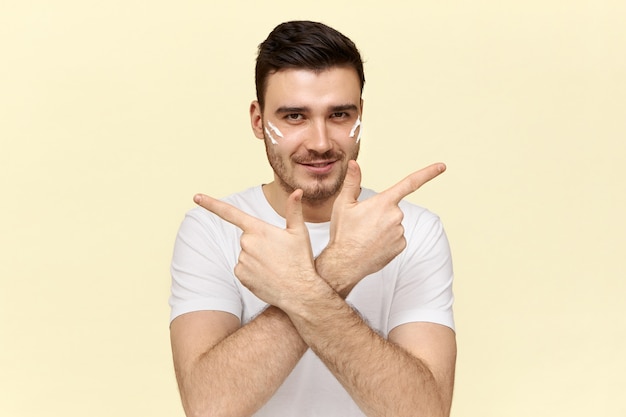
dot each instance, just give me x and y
(309, 73)
(303, 89)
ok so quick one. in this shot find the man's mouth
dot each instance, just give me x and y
(319, 167)
(318, 164)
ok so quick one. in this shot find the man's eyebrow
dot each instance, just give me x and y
(296, 109)
(344, 107)
(290, 109)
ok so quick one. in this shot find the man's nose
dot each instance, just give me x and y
(319, 138)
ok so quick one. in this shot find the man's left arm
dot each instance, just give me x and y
(411, 373)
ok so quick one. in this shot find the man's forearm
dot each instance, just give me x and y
(239, 375)
(383, 378)
(265, 350)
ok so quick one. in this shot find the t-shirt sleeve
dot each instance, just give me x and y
(202, 266)
(423, 291)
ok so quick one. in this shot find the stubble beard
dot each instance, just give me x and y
(318, 192)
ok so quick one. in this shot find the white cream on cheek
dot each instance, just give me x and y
(357, 124)
(275, 130)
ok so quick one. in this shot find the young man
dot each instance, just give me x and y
(310, 296)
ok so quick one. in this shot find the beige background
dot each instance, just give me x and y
(112, 114)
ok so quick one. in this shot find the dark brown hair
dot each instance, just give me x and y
(306, 45)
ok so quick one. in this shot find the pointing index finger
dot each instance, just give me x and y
(414, 181)
(227, 212)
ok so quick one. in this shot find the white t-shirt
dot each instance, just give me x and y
(416, 286)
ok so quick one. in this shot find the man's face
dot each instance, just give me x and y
(310, 125)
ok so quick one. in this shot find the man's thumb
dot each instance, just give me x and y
(352, 183)
(293, 213)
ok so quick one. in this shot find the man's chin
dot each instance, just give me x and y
(322, 191)
(319, 191)
(317, 197)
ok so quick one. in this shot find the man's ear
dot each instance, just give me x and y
(256, 119)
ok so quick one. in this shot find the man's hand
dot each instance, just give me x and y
(274, 263)
(365, 236)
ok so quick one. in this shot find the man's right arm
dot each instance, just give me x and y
(222, 368)
(225, 369)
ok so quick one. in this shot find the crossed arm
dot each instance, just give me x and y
(411, 373)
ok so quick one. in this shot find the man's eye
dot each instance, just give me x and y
(340, 115)
(294, 116)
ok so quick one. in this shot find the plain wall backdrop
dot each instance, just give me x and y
(113, 114)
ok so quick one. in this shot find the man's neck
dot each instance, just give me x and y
(313, 212)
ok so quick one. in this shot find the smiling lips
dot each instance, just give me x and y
(318, 164)
(319, 167)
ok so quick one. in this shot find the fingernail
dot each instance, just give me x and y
(197, 198)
